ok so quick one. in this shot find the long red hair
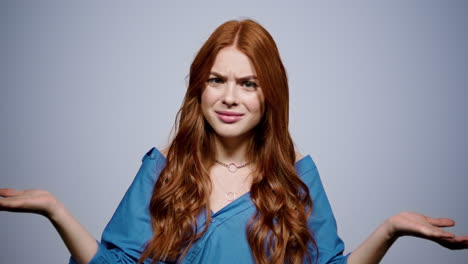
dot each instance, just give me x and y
(278, 232)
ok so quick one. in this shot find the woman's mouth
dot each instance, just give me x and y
(229, 117)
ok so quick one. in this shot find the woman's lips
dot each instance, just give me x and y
(229, 117)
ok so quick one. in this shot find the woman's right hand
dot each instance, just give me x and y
(79, 242)
(29, 201)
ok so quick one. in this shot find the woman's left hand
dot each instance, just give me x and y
(418, 225)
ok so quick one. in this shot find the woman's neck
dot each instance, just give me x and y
(231, 150)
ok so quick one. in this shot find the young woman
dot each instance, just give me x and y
(230, 188)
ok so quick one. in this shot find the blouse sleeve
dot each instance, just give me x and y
(322, 221)
(129, 229)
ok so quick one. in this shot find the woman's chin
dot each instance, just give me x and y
(231, 135)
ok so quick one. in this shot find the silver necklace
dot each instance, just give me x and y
(232, 167)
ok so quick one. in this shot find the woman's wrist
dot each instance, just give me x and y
(375, 246)
(56, 210)
(388, 228)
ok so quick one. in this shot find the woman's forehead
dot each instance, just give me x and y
(230, 62)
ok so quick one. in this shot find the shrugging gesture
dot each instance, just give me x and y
(231, 186)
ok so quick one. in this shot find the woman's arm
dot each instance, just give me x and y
(406, 223)
(80, 243)
(374, 248)
(126, 233)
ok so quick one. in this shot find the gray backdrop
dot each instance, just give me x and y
(378, 99)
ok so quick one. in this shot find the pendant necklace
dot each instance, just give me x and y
(232, 167)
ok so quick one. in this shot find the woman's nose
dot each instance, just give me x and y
(230, 94)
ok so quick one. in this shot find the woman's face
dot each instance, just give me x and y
(232, 101)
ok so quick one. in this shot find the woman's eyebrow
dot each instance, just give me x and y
(248, 77)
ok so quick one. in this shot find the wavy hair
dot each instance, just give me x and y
(278, 231)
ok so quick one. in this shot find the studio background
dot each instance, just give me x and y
(378, 99)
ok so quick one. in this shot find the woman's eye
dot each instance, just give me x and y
(215, 80)
(250, 84)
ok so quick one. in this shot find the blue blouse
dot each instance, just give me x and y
(225, 241)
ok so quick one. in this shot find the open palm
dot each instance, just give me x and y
(418, 225)
(27, 201)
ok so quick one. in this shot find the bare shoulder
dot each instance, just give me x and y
(164, 151)
(299, 156)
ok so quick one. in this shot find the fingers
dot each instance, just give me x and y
(428, 227)
(454, 243)
(461, 239)
(445, 234)
(20, 204)
(7, 192)
(432, 231)
(11, 202)
(440, 222)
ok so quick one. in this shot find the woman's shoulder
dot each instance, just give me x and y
(164, 151)
(299, 156)
(156, 154)
(304, 164)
